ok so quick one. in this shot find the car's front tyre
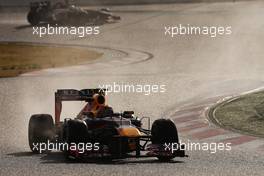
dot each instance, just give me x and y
(164, 131)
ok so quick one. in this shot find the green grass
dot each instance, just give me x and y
(245, 114)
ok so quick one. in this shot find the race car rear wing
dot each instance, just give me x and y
(73, 95)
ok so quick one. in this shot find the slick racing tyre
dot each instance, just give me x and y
(40, 131)
(33, 18)
(164, 131)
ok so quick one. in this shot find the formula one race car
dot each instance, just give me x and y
(64, 13)
(98, 132)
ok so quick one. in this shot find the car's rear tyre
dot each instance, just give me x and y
(33, 18)
(40, 131)
(164, 131)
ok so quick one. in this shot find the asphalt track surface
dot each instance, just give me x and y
(193, 68)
